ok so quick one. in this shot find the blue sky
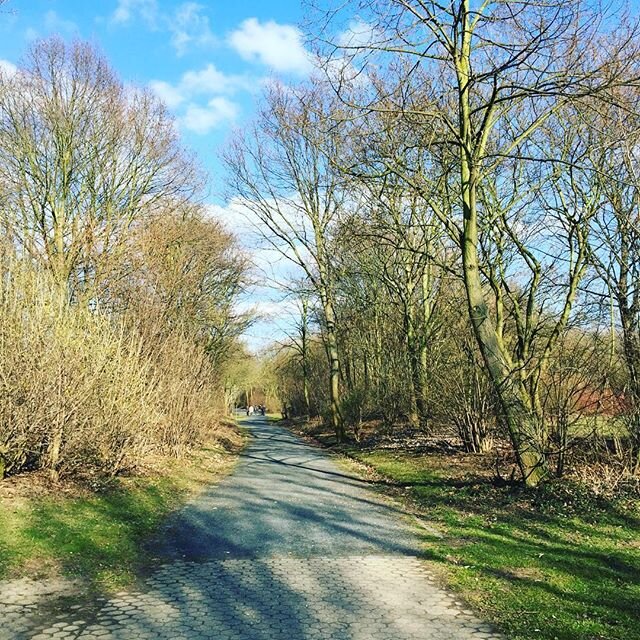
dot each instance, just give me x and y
(206, 59)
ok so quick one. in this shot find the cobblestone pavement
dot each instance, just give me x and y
(288, 548)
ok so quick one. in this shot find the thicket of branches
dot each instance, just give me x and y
(459, 189)
(116, 288)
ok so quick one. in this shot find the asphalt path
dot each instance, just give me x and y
(288, 547)
(287, 498)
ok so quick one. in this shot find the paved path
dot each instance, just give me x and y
(287, 548)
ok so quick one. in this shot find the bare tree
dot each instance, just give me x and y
(485, 76)
(117, 314)
(615, 236)
(81, 159)
(280, 172)
(299, 339)
(393, 238)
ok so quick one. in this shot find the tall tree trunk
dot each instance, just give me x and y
(334, 370)
(631, 349)
(305, 355)
(517, 414)
(418, 415)
(305, 393)
(427, 311)
(365, 365)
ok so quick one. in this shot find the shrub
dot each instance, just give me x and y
(75, 391)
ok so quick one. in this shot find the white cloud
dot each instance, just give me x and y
(51, 22)
(54, 23)
(268, 309)
(341, 70)
(271, 257)
(7, 68)
(189, 27)
(128, 10)
(278, 46)
(202, 120)
(238, 218)
(212, 80)
(272, 273)
(357, 34)
(170, 95)
(209, 82)
(234, 216)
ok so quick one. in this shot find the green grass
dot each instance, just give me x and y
(603, 426)
(99, 536)
(550, 564)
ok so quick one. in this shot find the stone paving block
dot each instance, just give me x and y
(288, 549)
(360, 598)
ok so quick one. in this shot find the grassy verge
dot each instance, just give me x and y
(554, 563)
(100, 535)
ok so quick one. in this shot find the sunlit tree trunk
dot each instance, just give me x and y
(516, 412)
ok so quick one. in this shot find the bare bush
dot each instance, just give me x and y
(76, 392)
(117, 318)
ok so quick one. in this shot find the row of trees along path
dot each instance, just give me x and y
(459, 155)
